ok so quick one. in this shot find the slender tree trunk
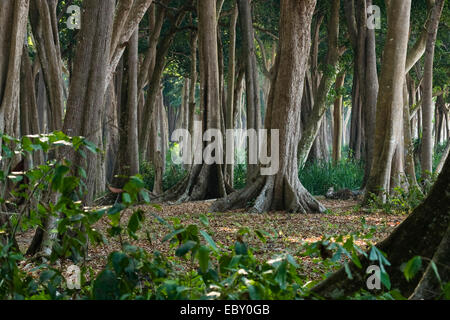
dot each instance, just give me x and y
(337, 132)
(427, 106)
(231, 78)
(309, 133)
(251, 76)
(44, 24)
(370, 96)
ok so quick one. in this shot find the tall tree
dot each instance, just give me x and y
(390, 98)
(283, 190)
(251, 75)
(13, 23)
(205, 181)
(427, 106)
(85, 101)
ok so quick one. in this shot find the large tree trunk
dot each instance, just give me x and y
(85, 102)
(427, 106)
(424, 233)
(390, 98)
(128, 157)
(283, 190)
(205, 181)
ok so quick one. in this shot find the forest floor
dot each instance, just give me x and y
(287, 231)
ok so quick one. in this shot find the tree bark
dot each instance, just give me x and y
(283, 190)
(86, 94)
(427, 106)
(337, 128)
(251, 76)
(390, 99)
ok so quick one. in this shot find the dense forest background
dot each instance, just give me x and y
(93, 93)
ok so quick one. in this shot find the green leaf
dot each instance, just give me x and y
(173, 234)
(203, 258)
(434, 267)
(185, 248)
(281, 275)
(106, 286)
(348, 271)
(412, 267)
(204, 220)
(57, 180)
(209, 240)
(385, 279)
(135, 222)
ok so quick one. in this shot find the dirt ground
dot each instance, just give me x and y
(287, 231)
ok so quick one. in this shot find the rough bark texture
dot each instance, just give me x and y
(231, 79)
(13, 23)
(205, 181)
(251, 75)
(390, 99)
(283, 191)
(427, 106)
(85, 102)
(44, 24)
(337, 129)
(128, 158)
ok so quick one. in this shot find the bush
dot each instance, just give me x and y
(319, 176)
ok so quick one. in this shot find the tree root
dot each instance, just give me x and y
(260, 195)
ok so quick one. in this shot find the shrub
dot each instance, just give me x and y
(319, 176)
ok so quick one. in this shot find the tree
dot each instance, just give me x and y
(13, 23)
(427, 106)
(251, 74)
(390, 98)
(283, 190)
(205, 181)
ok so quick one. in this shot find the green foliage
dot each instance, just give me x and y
(215, 271)
(401, 201)
(318, 177)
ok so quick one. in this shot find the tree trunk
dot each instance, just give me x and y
(13, 23)
(390, 99)
(205, 181)
(231, 78)
(128, 156)
(427, 106)
(44, 24)
(337, 132)
(283, 190)
(251, 76)
(85, 102)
